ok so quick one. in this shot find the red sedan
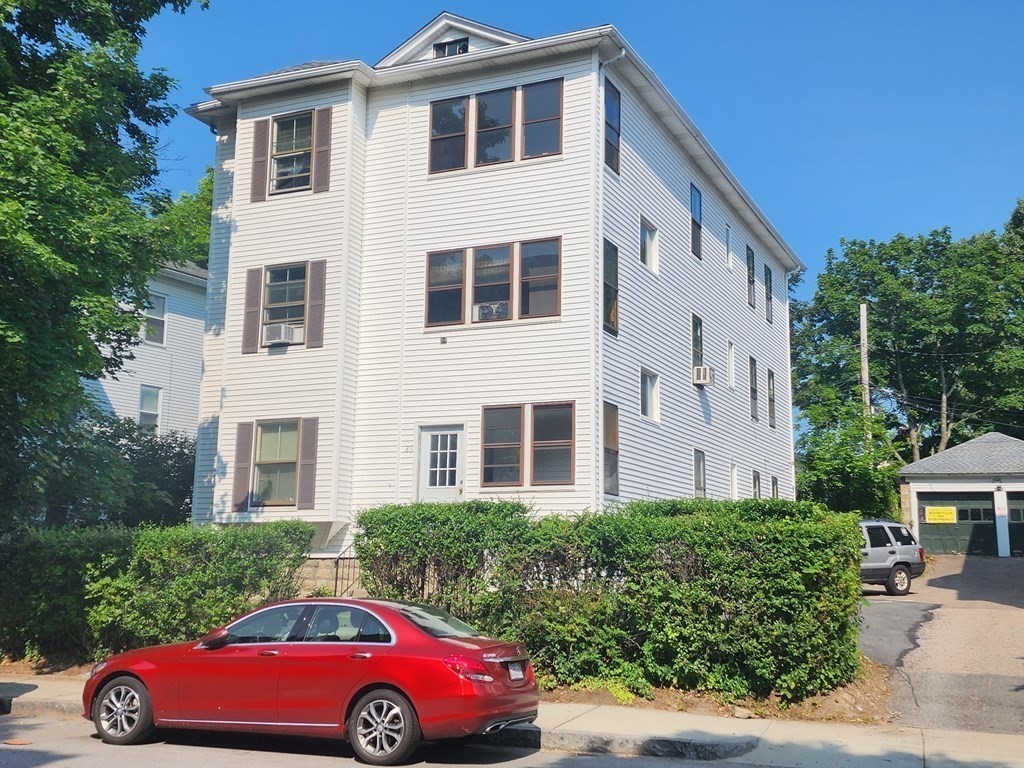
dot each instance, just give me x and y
(381, 674)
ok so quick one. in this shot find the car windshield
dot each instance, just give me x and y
(436, 622)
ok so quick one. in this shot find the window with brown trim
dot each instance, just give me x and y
(291, 153)
(611, 449)
(753, 389)
(446, 283)
(611, 288)
(448, 134)
(495, 117)
(769, 314)
(502, 445)
(540, 266)
(775, 487)
(542, 118)
(751, 282)
(553, 437)
(771, 398)
(612, 125)
(492, 283)
(276, 463)
(284, 304)
(755, 484)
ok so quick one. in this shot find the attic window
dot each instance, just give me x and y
(451, 48)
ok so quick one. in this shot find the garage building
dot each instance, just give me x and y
(968, 499)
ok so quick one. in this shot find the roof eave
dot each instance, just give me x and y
(267, 84)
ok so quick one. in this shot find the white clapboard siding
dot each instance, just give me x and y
(411, 376)
(655, 308)
(173, 366)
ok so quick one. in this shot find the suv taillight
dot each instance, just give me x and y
(920, 553)
(468, 668)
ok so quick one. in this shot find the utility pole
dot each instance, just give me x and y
(865, 385)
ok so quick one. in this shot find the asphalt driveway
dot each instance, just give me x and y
(956, 643)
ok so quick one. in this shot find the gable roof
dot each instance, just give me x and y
(991, 454)
(447, 24)
(612, 49)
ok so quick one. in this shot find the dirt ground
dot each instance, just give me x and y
(865, 700)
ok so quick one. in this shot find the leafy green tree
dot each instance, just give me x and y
(181, 227)
(946, 333)
(77, 117)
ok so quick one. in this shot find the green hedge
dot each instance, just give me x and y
(80, 593)
(745, 598)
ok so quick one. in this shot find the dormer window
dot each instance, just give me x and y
(451, 48)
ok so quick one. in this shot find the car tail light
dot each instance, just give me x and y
(468, 668)
(920, 552)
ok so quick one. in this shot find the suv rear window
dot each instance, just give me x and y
(436, 622)
(901, 534)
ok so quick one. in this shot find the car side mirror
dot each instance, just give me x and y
(214, 639)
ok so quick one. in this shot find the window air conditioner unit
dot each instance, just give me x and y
(703, 375)
(282, 333)
(494, 310)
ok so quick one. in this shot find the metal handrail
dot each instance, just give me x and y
(346, 571)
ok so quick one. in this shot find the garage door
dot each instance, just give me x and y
(1015, 502)
(957, 523)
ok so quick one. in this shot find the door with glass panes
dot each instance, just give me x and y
(442, 463)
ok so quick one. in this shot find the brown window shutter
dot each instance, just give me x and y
(260, 160)
(315, 304)
(243, 466)
(306, 496)
(251, 315)
(322, 151)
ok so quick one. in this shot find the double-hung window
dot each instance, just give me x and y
(495, 117)
(276, 464)
(149, 407)
(696, 341)
(775, 487)
(755, 484)
(291, 156)
(503, 445)
(542, 119)
(611, 449)
(751, 283)
(696, 217)
(284, 305)
(492, 283)
(611, 288)
(448, 134)
(648, 245)
(771, 398)
(552, 459)
(753, 390)
(612, 125)
(649, 394)
(156, 319)
(700, 480)
(539, 276)
(768, 312)
(446, 285)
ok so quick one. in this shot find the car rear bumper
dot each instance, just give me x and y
(916, 569)
(476, 712)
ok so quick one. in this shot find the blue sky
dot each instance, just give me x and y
(841, 119)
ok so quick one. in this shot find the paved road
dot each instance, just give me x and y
(68, 742)
(956, 643)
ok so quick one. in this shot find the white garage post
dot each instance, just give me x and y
(1002, 522)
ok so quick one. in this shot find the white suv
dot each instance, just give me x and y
(890, 555)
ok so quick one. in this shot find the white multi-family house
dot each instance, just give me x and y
(486, 267)
(159, 386)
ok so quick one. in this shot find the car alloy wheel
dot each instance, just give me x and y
(898, 582)
(122, 713)
(383, 728)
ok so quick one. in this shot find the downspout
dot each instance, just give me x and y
(620, 55)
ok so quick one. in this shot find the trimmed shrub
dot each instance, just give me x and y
(42, 588)
(182, 581)
(745, 598)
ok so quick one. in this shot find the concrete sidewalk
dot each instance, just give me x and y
(589, 729)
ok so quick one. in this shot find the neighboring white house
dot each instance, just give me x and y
(486, 267)
(160, 386)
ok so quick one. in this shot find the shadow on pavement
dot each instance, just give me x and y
(980, 578)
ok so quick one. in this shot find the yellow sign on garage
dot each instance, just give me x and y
(940, 514)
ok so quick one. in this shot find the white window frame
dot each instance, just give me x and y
(265, 307)
(700, 479)
(654, 396)
(159, 406)
(730, 364)
(153, 318)
(651, 254)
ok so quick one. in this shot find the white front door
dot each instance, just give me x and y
(442, 458)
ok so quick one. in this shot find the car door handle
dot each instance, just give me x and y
(892, 551)
(267, 653)
(360, 656)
